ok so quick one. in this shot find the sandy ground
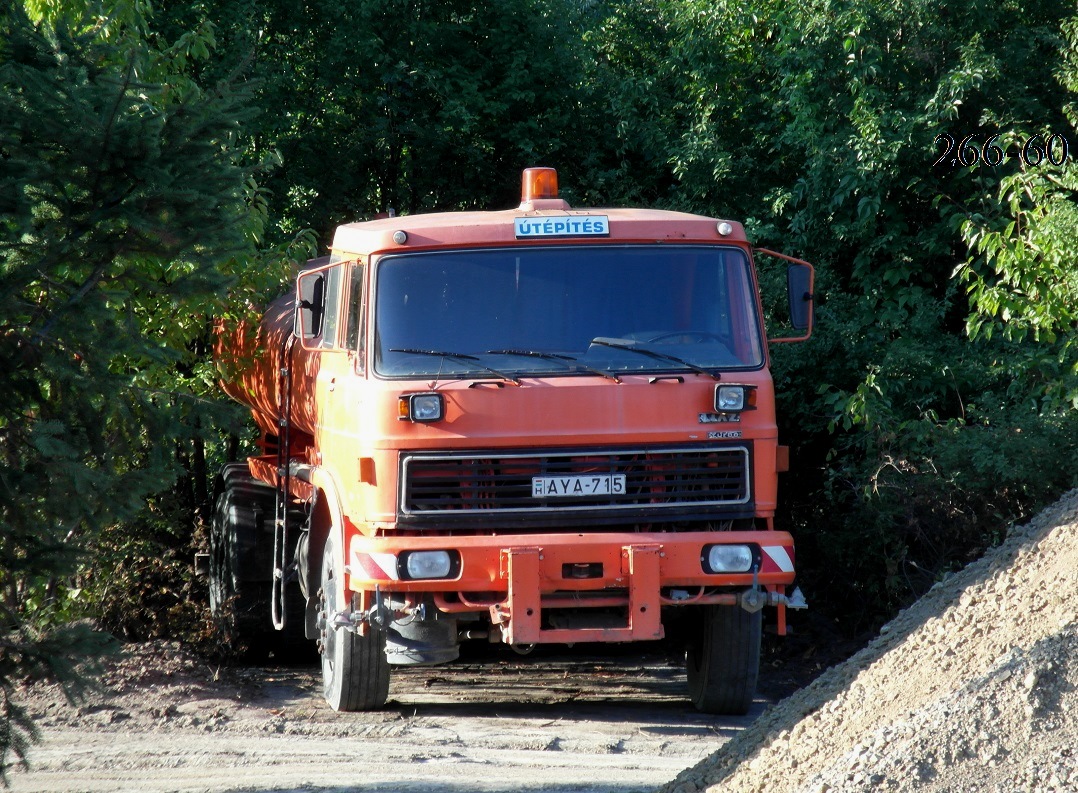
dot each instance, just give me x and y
(974, 689)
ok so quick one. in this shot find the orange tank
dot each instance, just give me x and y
(250, 360)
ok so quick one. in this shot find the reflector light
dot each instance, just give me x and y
(539, 183)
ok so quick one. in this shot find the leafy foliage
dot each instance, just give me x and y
(1022, 280)
(109, 250)
(400, 104)
(816, 123)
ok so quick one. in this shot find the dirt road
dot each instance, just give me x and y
(572, 723)
(973, 688)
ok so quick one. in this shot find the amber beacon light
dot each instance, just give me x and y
(539, 183)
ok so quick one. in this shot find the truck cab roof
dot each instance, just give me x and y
(532, 224)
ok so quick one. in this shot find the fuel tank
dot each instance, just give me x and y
(250, 359)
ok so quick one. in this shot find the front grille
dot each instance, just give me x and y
(656, 481)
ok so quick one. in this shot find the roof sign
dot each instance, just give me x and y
(574, 226)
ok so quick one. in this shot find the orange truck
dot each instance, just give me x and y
(540, 425)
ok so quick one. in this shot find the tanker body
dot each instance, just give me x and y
(543, 425)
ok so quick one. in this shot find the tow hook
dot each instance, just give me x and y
(753, 599)
(796, 599)
(379, 615)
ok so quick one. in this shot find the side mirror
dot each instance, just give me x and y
(310, 305)
(799, 292)
(800, 278)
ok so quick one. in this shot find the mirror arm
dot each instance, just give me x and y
(809, 295)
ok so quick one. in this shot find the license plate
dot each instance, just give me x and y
(585, 485)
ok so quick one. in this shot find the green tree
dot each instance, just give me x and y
(816, 121)
(938, 441)
(631, 102)
(121, 198)
(403, 104)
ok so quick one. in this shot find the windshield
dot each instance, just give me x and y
(566, 310)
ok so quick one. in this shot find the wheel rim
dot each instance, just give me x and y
(329, 633)
(219, 561)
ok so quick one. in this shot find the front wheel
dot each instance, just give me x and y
(355, 671)
(723, 664)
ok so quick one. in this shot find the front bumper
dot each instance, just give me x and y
(516, 578)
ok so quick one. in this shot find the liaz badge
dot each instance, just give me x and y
(720, 418)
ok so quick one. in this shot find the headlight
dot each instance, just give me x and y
(729, 398)
(727, 558)
(423, 408)
(429, 564)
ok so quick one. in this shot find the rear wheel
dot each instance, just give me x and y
(355, 671)
(723, 664)
(239, 578)
(241, 572)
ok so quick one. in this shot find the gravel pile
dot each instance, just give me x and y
(973, 688)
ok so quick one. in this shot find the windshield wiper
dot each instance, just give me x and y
(458, 356)
(552, 356)
(632, 346)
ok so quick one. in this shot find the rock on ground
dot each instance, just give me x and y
(973, 688)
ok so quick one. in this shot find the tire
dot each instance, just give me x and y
(723, 666)
(241, 573)
(355, 671)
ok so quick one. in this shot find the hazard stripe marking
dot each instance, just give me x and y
(780, 556)
(378, 566)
